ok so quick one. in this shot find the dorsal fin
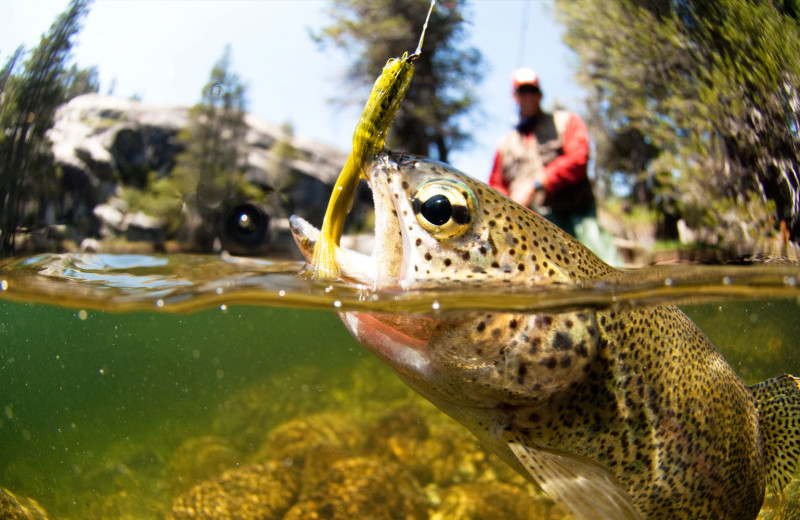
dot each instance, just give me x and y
(778, 402)
(588, 491)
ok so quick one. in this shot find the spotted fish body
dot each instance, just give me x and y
(619, 415)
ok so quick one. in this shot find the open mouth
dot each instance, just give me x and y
(383, 267)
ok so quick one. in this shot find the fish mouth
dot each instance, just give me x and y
(400, 340)
(382, 268)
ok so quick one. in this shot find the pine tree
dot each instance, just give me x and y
(27, 108)
(698, 102)
(442, 92)
(211, 169)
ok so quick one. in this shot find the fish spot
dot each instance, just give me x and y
(418, 242)
(428, 256)
(520, 267)
(491, 243)
(481, 326)
(521, 371)
(562, 341)
(512, 324)
(542, 321)
(465, 255)
(549, 362)
(447, 262)
(536, 341)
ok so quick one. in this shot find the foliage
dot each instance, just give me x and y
(442, 92)
(160, 198)
(28, 101)
(80, 81)
(211, 169)
(697, 102)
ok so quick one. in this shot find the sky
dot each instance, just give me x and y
(163, 50)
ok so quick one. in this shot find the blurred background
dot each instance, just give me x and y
(200, 126)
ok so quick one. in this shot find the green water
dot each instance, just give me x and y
(76, 389)
(193, 362)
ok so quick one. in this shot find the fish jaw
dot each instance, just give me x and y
(402, 342)
(397, 340)
(380, 270)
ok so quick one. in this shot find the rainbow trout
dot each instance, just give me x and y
(617, 415)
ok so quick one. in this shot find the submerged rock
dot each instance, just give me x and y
(363, 488)
(13, 507)
(197, 459)
(245, 418)
(434, 448)
(488, 500)
(251, 492)
(313, 444)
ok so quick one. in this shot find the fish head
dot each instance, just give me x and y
(436, 227)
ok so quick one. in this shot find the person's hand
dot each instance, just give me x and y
(523, 194)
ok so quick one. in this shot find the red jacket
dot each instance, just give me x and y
(568, 166)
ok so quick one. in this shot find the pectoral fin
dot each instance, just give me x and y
(588, 491)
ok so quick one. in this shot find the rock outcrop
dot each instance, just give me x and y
(102, 143)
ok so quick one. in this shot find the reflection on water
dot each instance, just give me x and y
(117, 402)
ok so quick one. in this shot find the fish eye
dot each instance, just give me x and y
(444, 207)
(437, 210)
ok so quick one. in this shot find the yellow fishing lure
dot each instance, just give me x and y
(384, 101)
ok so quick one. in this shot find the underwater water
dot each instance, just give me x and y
(136, 386)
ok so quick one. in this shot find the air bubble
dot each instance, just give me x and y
(216, 90)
